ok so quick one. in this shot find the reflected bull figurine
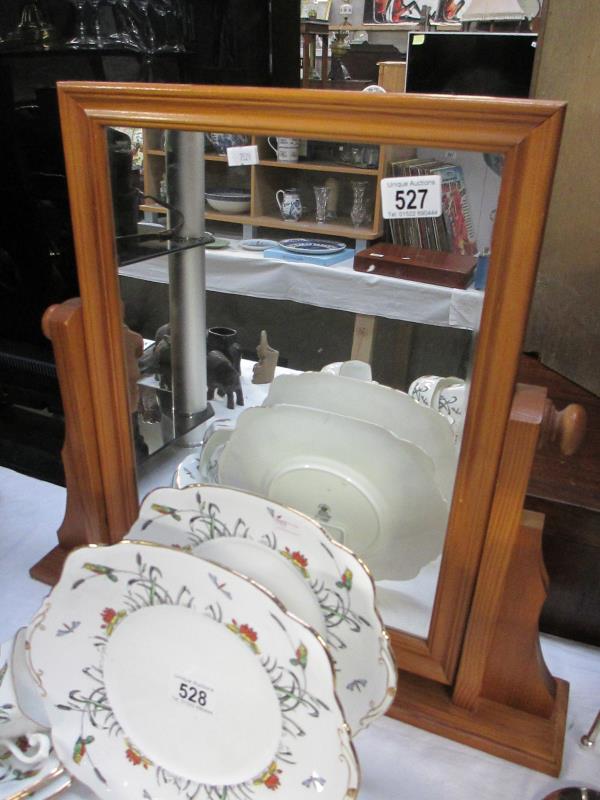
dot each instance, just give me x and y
(221, 374)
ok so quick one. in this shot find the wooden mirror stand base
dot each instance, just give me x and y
(503, 700)
(520, 711)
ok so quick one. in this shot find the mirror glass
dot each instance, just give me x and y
(370, 326)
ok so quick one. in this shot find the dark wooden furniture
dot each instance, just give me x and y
(310, 30)
(567, 492)
(417, 264)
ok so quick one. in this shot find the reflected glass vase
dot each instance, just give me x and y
(321, 200)
(33, 31)
(359, 211)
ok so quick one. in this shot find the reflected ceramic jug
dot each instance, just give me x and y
(289, 203)
(287, 149)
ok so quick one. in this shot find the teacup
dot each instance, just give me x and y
(25, 737)
(359, 370)
(286, 149)
(426, 389)
(451, 403)
(422, 389)
(444, 383)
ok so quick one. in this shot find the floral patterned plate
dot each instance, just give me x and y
(171, 677)
(194, 518)
(312, 246)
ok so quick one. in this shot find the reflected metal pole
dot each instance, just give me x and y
(187, 283)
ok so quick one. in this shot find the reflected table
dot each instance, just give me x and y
(338, 287)
(398, 762)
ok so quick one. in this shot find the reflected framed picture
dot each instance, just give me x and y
(385, 12)
(315, 9)
(450, 10)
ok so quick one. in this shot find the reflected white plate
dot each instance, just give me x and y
(316, 578)
(372, 491)
(372, 402)
(184, 679)
(258, 244)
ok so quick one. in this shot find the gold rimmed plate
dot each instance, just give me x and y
(171, 676)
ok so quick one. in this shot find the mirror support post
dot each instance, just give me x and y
(187, 283)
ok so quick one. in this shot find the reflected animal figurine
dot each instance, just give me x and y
(264, 370)
(156, 360)
(223, 376)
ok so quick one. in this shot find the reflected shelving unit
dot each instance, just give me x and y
(264, 179)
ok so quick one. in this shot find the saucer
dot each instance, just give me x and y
(170, 652)
(16, 777)
(258, 244)
(316, 578)
(218, 244)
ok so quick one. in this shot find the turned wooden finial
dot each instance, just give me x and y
(566, 427)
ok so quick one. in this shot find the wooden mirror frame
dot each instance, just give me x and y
(527, 133)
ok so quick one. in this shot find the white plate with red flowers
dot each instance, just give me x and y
(171, 677)
(315, 577)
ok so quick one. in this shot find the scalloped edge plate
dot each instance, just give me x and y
(358, 642)
(103, 588)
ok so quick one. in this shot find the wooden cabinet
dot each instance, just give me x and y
(264, 179)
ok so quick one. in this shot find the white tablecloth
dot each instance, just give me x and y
(398, 762)
(238, 271)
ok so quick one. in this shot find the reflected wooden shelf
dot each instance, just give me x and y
(343, 228)
(329, 228)
(376, 26)
(319, 166)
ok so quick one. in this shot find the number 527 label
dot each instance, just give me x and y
(411, 196)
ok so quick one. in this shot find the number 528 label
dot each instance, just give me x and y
(192, 694)
(411, 196)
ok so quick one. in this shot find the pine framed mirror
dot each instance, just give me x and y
(522, 136)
